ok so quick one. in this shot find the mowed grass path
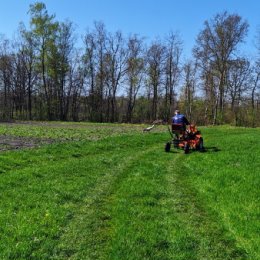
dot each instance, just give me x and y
(123, 197)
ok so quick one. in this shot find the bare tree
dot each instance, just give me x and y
(90, 65)
(255, 91)
(155, 61)
(190, 70)
(101, 38)
(19, 85)
(173, 52)
(96, 69)
(134, 72)
(211, 95)
(237, 83)
(217, 43)
(115, 61)
(6, 76)
(65, 46)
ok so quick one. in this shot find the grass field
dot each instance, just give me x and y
(110, 192)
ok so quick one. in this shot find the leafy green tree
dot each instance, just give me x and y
(44, 30)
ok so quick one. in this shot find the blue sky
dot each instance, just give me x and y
(148, 18)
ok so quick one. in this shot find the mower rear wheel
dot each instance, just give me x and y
(168, 147)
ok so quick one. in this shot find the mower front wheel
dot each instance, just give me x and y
(201, 145)
(168, 147)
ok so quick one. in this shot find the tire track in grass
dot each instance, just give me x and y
(146, 223)
(87, 234)
(141, 219)
(156, 214)
(212, 240)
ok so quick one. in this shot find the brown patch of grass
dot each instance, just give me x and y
(17, 142)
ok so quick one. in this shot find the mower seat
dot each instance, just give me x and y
(178, 128)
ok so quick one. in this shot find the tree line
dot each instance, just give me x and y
(113, 78)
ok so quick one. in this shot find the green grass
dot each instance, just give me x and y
(111, 192)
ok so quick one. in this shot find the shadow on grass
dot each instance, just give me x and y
(205, 150)
(212, 149)
(173, 151)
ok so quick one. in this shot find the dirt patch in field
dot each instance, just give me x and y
(16, 142)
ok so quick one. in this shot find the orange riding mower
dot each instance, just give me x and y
(186, 139)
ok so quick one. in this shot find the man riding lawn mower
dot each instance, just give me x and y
(182, 137)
